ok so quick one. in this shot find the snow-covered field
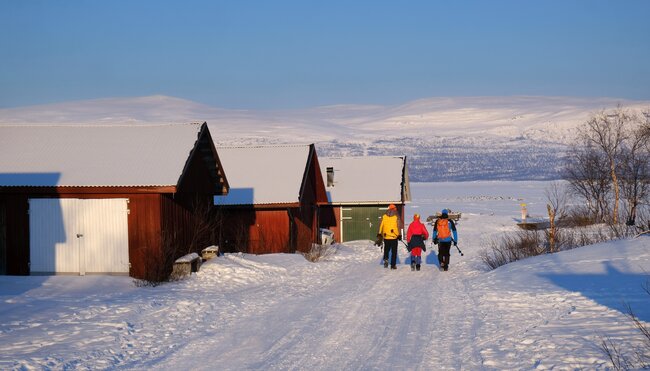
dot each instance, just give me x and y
(347, 312)
(473, 138)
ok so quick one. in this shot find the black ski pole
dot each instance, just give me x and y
(457, 248)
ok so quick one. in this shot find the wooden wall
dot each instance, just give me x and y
(17, 233)
(305, 228)
(256, 231)
(305, 218)
(144, 233)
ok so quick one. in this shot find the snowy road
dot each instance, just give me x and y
(366, 316)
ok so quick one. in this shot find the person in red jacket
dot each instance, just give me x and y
(415, 236)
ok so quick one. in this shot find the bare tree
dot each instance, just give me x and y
(557, 198)
(588, 178)
(609, 165)
(635, 172)
(607, 131)
(645, 128)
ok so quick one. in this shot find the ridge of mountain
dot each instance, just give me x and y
(446, 138)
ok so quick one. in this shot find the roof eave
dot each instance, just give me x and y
(356, 203)
(62, 190)
(219, 178)
(290, 205)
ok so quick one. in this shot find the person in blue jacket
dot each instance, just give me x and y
(444, 234)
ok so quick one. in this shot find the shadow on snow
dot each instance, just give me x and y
(613, 288)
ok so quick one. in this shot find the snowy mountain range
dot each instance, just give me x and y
(445, 139)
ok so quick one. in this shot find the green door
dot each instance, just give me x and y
(361, 222)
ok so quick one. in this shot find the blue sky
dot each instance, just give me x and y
(290, 54)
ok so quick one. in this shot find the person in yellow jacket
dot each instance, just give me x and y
(389, 231)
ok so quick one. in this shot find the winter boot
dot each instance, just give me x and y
(385, 263)
(412, 265)
(417, 267)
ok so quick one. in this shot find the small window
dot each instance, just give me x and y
(330, 177)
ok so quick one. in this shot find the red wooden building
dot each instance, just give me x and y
(273, 202)
(104, 199)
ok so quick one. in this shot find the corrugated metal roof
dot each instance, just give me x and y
(113, 156)
(368, 179)
(263, 174)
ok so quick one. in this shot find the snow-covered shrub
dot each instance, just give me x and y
(513, 247)
(523, 244)
(320, 252)
(578, 216)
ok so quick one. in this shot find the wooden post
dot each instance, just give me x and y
(551, 233)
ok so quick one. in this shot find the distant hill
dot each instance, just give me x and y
(459, 138)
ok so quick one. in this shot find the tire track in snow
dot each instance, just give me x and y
(452, 343)
(367, 317)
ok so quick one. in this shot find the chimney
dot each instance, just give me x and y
(330, 177)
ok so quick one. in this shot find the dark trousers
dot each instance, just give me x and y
(443, 253)
(416, 246)
(391, 245)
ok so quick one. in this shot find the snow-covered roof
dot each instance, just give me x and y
(260, 175)
(78, 155)
(367, 179)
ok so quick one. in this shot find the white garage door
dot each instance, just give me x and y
(78, 235)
